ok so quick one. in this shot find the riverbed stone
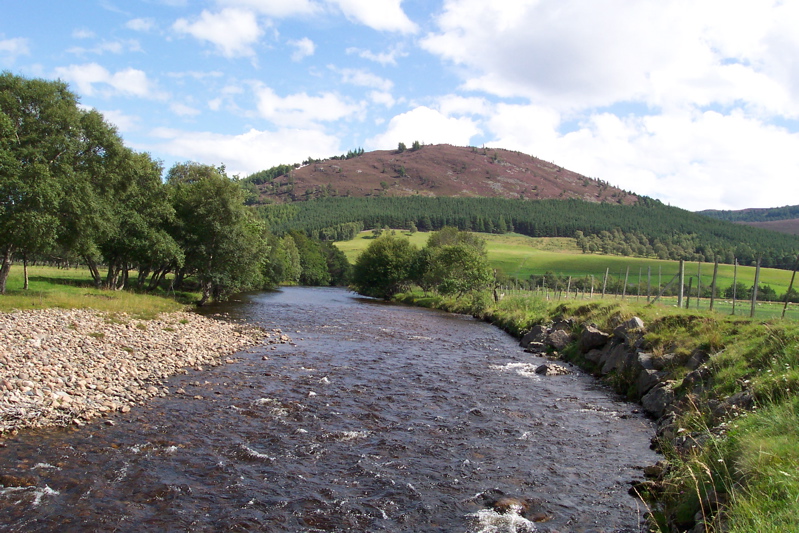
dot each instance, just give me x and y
(87, 364)
(551, 369)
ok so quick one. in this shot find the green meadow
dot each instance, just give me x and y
(518, 257)
(71, 288)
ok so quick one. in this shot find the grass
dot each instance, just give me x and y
(518, 257)
(73, 289)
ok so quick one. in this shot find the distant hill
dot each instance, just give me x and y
(434, 170)
(781, 219)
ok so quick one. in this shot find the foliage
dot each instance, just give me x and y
(384, 268)
(223, 241)
(650, 229)
(313, 262)
(755, 215)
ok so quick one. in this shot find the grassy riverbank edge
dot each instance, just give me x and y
(731, 444)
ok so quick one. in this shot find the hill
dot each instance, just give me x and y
(780, 219)
(433, 170)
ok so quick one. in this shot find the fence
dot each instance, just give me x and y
(681, 290)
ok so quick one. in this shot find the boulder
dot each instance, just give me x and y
(697, 359)
(616, 358)
(563, 324)
(592, 338)
(536, 347)
(550, 369)
(629, 327)
(658, 399)
(594, 355)
(536, 334)
(558, 339)
(647, 380)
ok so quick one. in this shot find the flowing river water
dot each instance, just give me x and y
(378, 418)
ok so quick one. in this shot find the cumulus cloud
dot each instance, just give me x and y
(380, 15)
(248, 152)
(11, 49)
(302, 109)
(232, 31)
(576, 55)
(425, 125)
(302, 48)
(129, 81)
(123, 121)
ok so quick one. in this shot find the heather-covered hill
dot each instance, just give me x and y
(781, 219)
(437, 170)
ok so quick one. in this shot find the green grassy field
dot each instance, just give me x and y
(72, 288)
(518, 257)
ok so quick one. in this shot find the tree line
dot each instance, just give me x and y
(647, 229)
(71, 190)
(453, 262)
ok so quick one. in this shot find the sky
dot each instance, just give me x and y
(692, 102)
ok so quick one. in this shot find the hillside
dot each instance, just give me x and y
(437, 170)
(780, 219)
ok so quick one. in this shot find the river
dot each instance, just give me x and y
(377, 418)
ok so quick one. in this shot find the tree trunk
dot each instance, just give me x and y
(207, 285)
(94, 271)
(25, 271)
(5, 267)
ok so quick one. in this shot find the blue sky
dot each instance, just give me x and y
(693, 102)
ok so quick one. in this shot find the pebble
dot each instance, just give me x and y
(61, 367)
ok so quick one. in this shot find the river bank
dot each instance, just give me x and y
(722, 389)
(62, 367)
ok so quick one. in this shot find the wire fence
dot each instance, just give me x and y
(745, 297)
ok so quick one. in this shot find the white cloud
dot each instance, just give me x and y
(427, 126)
(363, 78)
(129, 81)
(576, 55)
(301, 109)
(232, 31)
(184, 110)
(123, 121)
(249, 152)
(275, 8)
(303, 48)
(11, 49)
(380, 15)
(693, 160)
(82, 33)
(382, 98)
(384, 58)
(140, 24)
(113, 47)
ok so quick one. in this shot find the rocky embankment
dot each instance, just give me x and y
(666, 385)
(61, 367)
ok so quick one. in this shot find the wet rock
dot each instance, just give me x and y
(536, 347)
(559, 339)
(508, 504)
(551, 369)
(537, 334)
(592, 338)
(10, 480)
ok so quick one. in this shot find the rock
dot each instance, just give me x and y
(563, 325)
(662, 362)
(9, 480)
(536, 347)
(616, 358)
(594, 355)
(510, 505)
(551, 369)
(559, 339)
(536, 334)
(658, 399)
(697, 359)
(627, 329)
(647, 379)
(592, 338)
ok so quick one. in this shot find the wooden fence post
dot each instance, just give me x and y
(680, 294)
(698, 283)
(605, 282)
(734, 284)
(754, 289)
(713, 284)
(790, 286)
(624, 289)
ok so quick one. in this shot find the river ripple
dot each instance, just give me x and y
(380, 418)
